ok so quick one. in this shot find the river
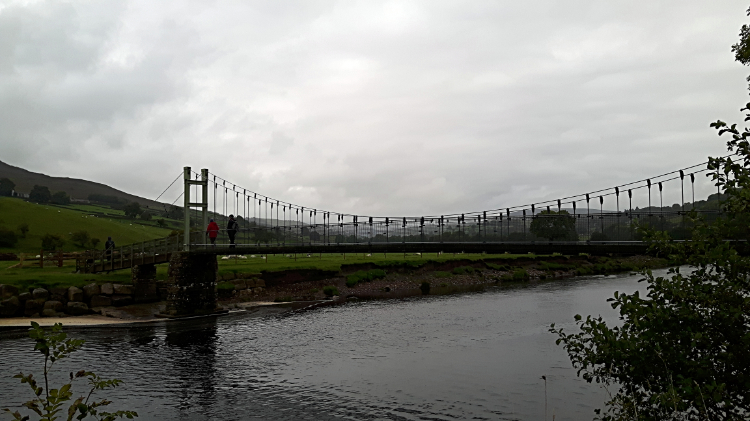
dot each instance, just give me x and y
(469, 356)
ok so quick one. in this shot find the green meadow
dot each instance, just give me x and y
(65, 220)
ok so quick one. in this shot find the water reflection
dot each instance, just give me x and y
(468, 356)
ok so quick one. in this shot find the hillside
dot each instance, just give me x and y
(62, 221)
(76, 188)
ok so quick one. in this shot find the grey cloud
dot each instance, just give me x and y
(371, 107)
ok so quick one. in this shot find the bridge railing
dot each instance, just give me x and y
(145, 252)
(609, 227)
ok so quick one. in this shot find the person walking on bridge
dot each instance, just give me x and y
(213, 232)
(232, 228)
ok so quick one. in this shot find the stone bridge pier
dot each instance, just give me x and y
(191, 285)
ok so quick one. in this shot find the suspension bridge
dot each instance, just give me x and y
(569, 225)
(599, 222)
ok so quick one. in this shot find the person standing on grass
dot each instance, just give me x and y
(232, 228)
(213, 232)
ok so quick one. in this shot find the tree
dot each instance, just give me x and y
(7, 238)
(23, 228)
(54, 345)
(146, 216)
(60, 198)
(132, 209)
(52, 242)
(80, 238)
(6, 187)
(161, 223)
(554, 225)
(176, 212)
(40, 194)
(681, 352)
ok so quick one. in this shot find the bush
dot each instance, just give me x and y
(520, 275)
(161, 222)
(23, 228)
(52, 242)
(498, 267)
(330, 291)
(80, 238)
(598, 236)
(40, 194)
(555, 266)
(146, 216)
(462, 270)
(364, 275)
(425, 287)
(53, 344)
(7, 238)
(60, 198)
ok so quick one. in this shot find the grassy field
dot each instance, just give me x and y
(62, 221)
(334, 262)
(48, 277)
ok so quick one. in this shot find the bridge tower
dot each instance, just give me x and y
(203, 204)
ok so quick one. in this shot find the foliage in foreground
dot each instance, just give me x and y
(48, 403)
(682, 350)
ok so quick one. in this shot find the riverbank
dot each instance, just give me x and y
(282, 290)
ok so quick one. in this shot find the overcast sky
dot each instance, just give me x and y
(381, 108)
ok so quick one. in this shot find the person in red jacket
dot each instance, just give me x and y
(213, 232)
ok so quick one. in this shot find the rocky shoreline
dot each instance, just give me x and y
(117, 303)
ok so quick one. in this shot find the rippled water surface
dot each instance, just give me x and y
(472, 356)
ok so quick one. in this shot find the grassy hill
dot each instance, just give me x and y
(62, 221)
(76, 188)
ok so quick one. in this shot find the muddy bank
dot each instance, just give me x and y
(373, 281)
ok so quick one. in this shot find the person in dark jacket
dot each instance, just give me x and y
(213, 232)
(109, 246)
(232, 228)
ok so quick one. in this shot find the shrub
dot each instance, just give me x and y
(498, 267)
(7, 238)
(598, 236)
(146, 216)
(40, 194)
(23, 228)
(555, 266)
(48, 402)
(520, 275)
(95, 242)
(462, 270)
(52, 242)
(80, 238)
(441, 274)
(364, 275)
(330, 291)
(425, 287)
(60, 198)
(161, 222)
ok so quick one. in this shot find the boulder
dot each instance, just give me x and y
(25, 296)
(10, 307)
(56, 306)
(40, 294)
(75, 294)
(48, 312)
(107, 289)
(90, 290)
(121, 300)
(59, 291)
(7, 291)
(123, 289)
(100, 301)
(76, 308)
(32, 307)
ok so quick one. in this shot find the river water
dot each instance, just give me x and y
(470, 356)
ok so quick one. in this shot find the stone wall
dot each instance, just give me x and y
(191, 284)
(62, 301)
